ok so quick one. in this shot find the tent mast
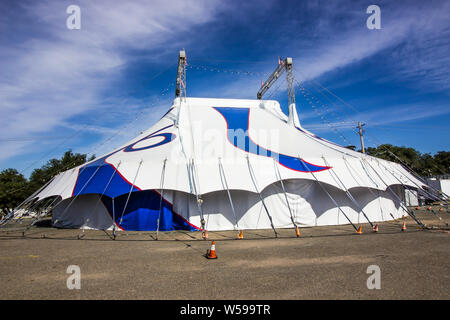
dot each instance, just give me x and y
(283, 65)
(180, 87)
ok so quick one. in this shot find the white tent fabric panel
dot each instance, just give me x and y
(201, 137)
(86, 212)
(310, 207)
(62, 185)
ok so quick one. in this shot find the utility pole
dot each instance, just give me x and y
(360, 132)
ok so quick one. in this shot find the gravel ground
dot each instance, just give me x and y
(324, 263)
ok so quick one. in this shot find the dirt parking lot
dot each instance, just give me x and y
(324, 263)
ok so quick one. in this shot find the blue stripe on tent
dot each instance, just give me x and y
(237, 120)
(95, 177)
(142, 212)
(92, 179)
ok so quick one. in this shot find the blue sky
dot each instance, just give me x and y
(91, 90)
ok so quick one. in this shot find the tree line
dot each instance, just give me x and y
(14, 187)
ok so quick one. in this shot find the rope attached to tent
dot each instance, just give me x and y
(349, 195)
(38, 216)
(106, 188)
(252, 175)
(197, 196)
(225, 183)
(11, 215)
(84, 186)
(329, 195)
(404, 187)
(377, 196)
(405, 208)
(161, 194)
(129, 193)
(278, 176)
(432, 196)
(79, 192)
(51, 204)
(371, 136)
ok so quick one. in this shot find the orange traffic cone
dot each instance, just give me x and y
(429, 208)
(417, 208)
(205, 234)
(297, 231)
(241, 235)
(441, 209)
(359, 231)
(375, 228)
(404, 226)
(211, 254)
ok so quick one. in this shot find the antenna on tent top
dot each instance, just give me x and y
(283, 65)
(180, 87)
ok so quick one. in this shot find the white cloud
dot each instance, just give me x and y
(55, 74)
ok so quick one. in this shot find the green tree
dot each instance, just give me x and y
(442, 161)
(423, 164)
(14, 189)
(69, 160)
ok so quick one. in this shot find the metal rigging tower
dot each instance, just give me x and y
(180, 87)
(283, 65)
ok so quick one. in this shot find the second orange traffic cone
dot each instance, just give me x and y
(404, 226)
(359, 231)
(241, 235)
(297, 231)
(211, 254)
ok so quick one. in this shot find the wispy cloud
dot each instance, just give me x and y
(397, 114)
(55, 74)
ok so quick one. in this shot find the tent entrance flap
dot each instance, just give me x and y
(142, 211)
